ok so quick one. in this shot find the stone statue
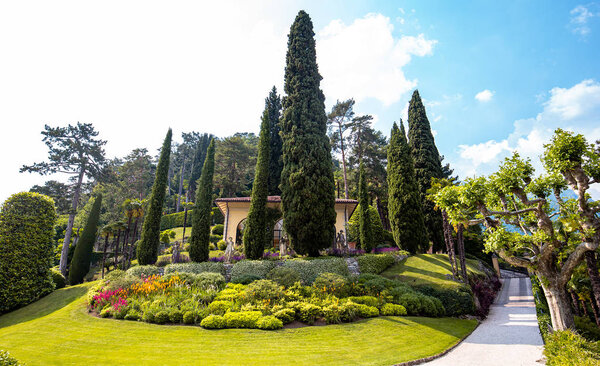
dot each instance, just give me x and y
(283, 245)
(229, 250)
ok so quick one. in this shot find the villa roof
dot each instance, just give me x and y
(222, 202)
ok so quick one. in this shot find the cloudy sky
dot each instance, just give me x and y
(495, 76)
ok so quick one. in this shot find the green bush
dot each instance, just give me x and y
(376, 226)
(309, 270)
(284, 276)
(565, 348)
(219, 307)
(121, 282)
(175, 316)
(419, 304)
(332, 283)
(245, 279)
(544, 323)
(187, 278)
(146, 271)
(106, 312)
(366, 300)
(175, 220)
(332, 314)
(161, 317)
(285, 315)
(587, 328)
(242, 319)
(256, 268)
(374, 284)
(132, 315)
(374, 263)
(26, 251)
(213, 322)
(221, 245)
(58, 279)
(189, 317)
(307, 312)
(456, 302)
(214, 239)
(393, 310)
(7, 360)
(116, 274)
(218, 229)
(209, 281)
(263, 290)
(269, 323)
(196, 268)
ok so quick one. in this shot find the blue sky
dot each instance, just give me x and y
(136, 68)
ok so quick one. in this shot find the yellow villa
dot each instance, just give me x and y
(235, 210)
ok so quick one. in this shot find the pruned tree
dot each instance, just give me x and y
(549, 241)
(80, 264)
(201, 219)
(72, 150)
(273, 111)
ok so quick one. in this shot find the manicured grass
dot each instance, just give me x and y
(58, 331)
(428, 269)
(179, 233)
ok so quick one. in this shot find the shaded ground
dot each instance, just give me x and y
(57, 331)
(509, 336)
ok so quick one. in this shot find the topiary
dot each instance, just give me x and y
(80, 263)
(161, 317)
(213, 322)
(175, 316)
(374, 263)
(58, 279)
(269, 323)
(393, 310)
(218, 229)
(284, 276)
(26, 252)
(365, 311)
(242, 319)
(189, 317)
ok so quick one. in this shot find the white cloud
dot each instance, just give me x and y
(364, 60)
(579, 19)
(484, 95)
(576, 109)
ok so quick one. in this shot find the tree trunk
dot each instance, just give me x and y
(180, 187)
(560, 309)
(461, 253)
(343, 162)
(104, 254)
(132, 246)
(592, 269)
(575, 302)
(64, 255)
(594, 310)
(185, 211)
(449, 243)
(116, 252)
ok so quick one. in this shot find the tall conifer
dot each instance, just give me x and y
(427, 165)
(147, 251)
(255, 235)
(273, 112)
(307, 185)
(366, 231)
(404, 201)
(201, 219)
(80, 264)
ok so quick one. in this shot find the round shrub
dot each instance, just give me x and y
(175, 316)
(145, 271)
(333, 314)
(213, 322)
(411, 302)
(116, 274)
(210, 280)
(365, 311)
(365, 300)
(455, 301)
(189, 317)
(219, 307)
(374, 284)
(284, 276)
(242, 319)
(132, 315)
(26, 252)
(285, 315)
(218, 229)
(196, 268)
(263, 290)
(332, 283)
(245, 279)
(58, 279)
(309, 270)
(269, 323)
(307, 312)
(221, 245)
(161, 317)
(393, 310)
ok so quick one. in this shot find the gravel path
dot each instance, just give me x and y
(509, 335)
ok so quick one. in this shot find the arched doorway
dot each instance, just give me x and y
(277, 233)
(239, 234)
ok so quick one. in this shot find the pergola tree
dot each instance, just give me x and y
(340, 116)
(307, 186)
(522, 225)
(72, 150)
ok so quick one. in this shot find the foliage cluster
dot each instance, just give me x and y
(174, 220)
(374, 263)
(310, 269)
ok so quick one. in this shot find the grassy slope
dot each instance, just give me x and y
(428, 269)
(57, 330)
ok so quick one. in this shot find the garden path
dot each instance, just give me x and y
(509, 335)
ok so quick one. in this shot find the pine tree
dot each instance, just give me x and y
(80, 263)
(427, 165)
(255, 235)
(201, 219)
(273, 111)
(404, 200)
(366, 231)
(307, 185)
(147, 250)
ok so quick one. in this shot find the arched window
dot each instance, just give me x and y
(239, 235)
(277, 233)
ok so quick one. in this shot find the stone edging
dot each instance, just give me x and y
(431, 358)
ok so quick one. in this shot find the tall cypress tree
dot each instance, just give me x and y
(427, 165)
(366, 231)
(273, 112)
(201, 219)
(255, 235)
(80, 264)
(307, 185)
(199, 157)
(404, 200)
(147, 250)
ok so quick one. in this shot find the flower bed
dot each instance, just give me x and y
(204, 299)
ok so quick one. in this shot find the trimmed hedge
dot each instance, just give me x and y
(284, 276)
(175, 220)
(196, 267)
(59, 280)
(309, 270)
(456, 302)
(248, 268)
(26, 253)
(374, 263)
(146, 271)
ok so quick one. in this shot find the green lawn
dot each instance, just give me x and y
(58, 331)
(428, 269)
